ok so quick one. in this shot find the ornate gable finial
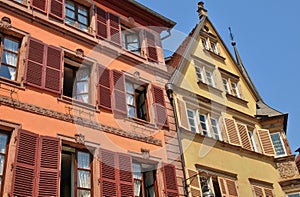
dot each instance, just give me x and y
(201, 10)
(232, 37)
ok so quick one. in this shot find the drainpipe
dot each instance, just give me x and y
(169, 88)
(167, 36)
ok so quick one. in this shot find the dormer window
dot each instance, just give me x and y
(214, 47)
(205, 43)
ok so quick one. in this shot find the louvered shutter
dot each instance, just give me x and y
(114, 28)
(119, 95)
(265, 141)
(151, 47)
(108, 173)
(195, 186)
(101, 23)
(231, 131)
(161, 117)
(228, 187)
(24, 175)
(126, 186)
(258, 191)
(222, 185)
(245, 139)
(268, 192)
(170, 181)
(184, 122)
(35, 62)
(56, 9)
(53, 70)
(49, 155)
(40, 5)
(104, 94)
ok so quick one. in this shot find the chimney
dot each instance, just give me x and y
(201, 10)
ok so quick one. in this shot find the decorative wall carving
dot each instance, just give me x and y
(7, 101)
(5, 24)
(79, 138)
(287, 169)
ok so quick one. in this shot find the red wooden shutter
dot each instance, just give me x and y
(170, 180)
(53, 69)
(114, 28)
(258, 191)
(104, 93)
(266, 142)
(24, 175)
(119, 94)
(49, 155)
(35, 62)
(126, 186)
(151, 46)
(161, 117)
(56, 8)
(245, 139)
(40, 5)
(194, 183)
(184, 122)
(108, 173)
(232, 132)
(222, 186)
(101, 23)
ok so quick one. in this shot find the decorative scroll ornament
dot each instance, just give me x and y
(145, 153)
(79, 138)
(5, 23)
(287, 169)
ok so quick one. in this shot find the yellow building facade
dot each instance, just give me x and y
(233, 144)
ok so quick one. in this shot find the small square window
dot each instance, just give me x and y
(9, 59)
(131, 40)
(77, 82)
(136, 99)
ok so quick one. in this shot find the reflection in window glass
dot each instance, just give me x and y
(277, 143)
(191, 117)
(9, 58)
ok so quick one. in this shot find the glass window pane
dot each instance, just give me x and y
(82, 87)
(129, 87)
(131, 111)
(11, 45)
(70, 14)
(83, 160)
(137, 171)
(3, 143)
(8, 72)
(278, 146)
(83, 193)
(137, 188)
(82, 27)
(83, 11)
(70, 21)
(130, 99)
(70, 5)
(84, 179)
(82, 74)
(293, 195)
(83, 19)
(83, 98)
(9, 58)
(2, 159)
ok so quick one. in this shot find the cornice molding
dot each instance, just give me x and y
(10, 102)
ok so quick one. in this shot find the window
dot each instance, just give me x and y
(204, 124)
(9, 58)
(76, 174)
(214, 47)
(4, 140)
(77, 15)
(205, 43)
(235, 89)
(144, 180)
(205, 75)
(136, 99)
(215, 128)
(192, 121)
(252, 139)
(231, 86)
(278, 144)
(76, 81)
(226, 85)
(260, 190)
(131, 40)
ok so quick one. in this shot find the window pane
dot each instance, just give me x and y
(83, 19)
(278, 146)
(82, 27)
(83, 193)
(8, 72)
(137, 171)
(199, 72)
(83, 11)
(137, 188)
(70, 21)
(70, 14)
(191, 118)
(83, 160)
(70, 5)
(83, 98)
(82, 87)
(131, 111)
(129, 87)
(11, 45)
(130, 99)
(9, 58)
(202, 119)
(3, 143)
(2, 159)
(293, 195)
(209, 78)
(84, 179)
(215, 128)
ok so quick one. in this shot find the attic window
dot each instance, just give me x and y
(206, 28)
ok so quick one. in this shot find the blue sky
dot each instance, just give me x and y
(268, 38)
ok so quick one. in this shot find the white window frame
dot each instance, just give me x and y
(205, 43)
(209, 76)
(205, 122)
(202, 73)
(282, 144)
(199, 73)
(217, 127)
(253, 142)
(235, 89)
(194, 119)
(214, 47)
(226, 85)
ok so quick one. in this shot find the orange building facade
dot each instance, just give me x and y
(83, 110)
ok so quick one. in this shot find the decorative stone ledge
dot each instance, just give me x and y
(10, 102)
